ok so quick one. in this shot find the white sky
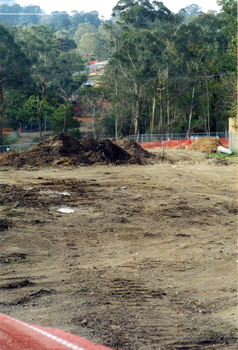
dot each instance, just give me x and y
(104, 7)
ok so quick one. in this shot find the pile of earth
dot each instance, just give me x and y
(131, 147)
(64, 150)
(207, 144)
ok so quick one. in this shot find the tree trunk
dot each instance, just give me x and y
(138, 111)
(1, 110)
(168, 106)
(161, 111)
(154, 109)
(38, 117)
(138, 114)
(122, 117)
(153, 116)
(208, 111)
(136, 120)
(65, 115)
(191, 111)
(133, 117)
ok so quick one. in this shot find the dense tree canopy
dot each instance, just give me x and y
(183, 83)
(13, 68)
(27, 14)
(166, 72)
(42, 68)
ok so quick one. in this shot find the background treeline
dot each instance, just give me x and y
(166, 72)
(79, 25)
(33, 14)
(175, 72)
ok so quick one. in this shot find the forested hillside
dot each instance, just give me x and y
(165, 72)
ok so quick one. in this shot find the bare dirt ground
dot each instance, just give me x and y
(147, 260)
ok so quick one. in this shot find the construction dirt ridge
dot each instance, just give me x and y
(64, 150)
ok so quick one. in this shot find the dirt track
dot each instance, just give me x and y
(147, 260)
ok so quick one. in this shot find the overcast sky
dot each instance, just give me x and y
(104, 7)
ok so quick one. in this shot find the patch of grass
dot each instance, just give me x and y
(224, 155)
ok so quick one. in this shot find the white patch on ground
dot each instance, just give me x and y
(66, 210)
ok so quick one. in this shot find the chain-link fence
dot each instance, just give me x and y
(142, 138)
(13, 135)
(33, 127)
(19, 147)
(179, 136)
(233, 141)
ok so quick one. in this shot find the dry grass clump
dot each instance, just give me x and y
(207, 144)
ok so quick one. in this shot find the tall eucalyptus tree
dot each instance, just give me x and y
(14, 68)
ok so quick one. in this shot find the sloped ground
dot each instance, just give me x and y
(147, 260)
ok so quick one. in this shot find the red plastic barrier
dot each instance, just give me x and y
(224, 142)
(174, 144)
(96, 69)
(18, 335)
(166, 144)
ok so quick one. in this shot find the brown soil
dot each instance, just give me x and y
(131, 147)
(207, 144)
(65, 150)
(146, 261)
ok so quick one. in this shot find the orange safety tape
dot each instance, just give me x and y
(174, 143)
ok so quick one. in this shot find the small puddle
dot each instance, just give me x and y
(66, 210)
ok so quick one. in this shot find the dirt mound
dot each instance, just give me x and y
(64, 150)
(208, 144)
(99, 151)
(131, 147)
